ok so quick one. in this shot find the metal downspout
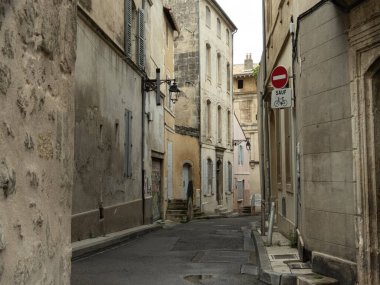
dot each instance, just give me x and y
(263, 129)
(143, 149)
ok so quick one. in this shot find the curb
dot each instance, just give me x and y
(89, 247)
(266, 274)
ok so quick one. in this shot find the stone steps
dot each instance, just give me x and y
(177, 211)
(315, 279)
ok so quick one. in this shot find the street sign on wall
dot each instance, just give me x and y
(279, 77)
(281, 98)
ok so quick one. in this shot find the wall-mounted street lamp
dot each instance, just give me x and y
(154, 85)
(247, 145)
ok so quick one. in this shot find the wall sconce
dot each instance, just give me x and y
(154, 85)
(247, 145)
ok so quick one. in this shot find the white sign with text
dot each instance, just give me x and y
(281, 98)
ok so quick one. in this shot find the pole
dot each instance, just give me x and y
(271, 221)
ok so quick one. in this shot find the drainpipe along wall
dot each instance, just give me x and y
(263, 164)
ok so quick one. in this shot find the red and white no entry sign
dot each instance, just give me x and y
(279, 77)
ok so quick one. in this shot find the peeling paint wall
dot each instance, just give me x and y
(38, 40)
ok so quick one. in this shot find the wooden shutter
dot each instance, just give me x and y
(141, 39)
(128, 28)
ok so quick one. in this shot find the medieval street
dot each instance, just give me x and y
(210, 251)
(190, 142)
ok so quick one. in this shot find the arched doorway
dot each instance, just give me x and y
(219, 182)
(186, 177)
(368, 169)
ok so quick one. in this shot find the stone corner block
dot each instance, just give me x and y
(342, 270)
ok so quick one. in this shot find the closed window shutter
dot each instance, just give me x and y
(225, 175)
(128, 144)
(204, 176)
(128, 28)
(141, 39)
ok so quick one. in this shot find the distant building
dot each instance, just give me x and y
(245, 109)
(202, 147)
(241, 172)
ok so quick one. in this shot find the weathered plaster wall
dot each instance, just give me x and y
(36, 140)
(109, 15)
(324, 129)
(185, 150)
(105, 87)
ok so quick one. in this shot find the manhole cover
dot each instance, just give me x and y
(196, 279)
(283, 256)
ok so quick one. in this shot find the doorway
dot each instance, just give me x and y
(240, 190)
(186, 177)
(156, 189)
(219, 182)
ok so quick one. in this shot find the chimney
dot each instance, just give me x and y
(248, 62)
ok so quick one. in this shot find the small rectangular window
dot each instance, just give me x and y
(240, 84)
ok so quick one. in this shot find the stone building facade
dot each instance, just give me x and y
(245, 109)
(119, 141)
(332, 52)
(36, 140)
(203, 117)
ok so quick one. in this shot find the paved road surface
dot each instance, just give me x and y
(209, 252)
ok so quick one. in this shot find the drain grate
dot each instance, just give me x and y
(283, 256)
(299, 265)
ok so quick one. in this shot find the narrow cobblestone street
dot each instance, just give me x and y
(200, 252)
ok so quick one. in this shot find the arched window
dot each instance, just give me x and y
(219, 68)
(219, 124)
(208, 17)
(229, 177)
(208, 118)
(208, 61)
(228, 78)
(229, 127)
(240, 155)
(227, 37)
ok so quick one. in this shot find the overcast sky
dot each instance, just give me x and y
(246, 15)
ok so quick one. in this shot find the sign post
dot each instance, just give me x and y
(281, 97)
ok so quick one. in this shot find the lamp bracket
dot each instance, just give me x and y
(151, 84)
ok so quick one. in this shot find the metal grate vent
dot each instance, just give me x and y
(284, 256)
(299, 265)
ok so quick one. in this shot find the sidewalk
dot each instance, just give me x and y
(280, 263)
(90, 246)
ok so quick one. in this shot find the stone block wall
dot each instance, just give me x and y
(325, 134)
(37, 56)
(186, 64)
